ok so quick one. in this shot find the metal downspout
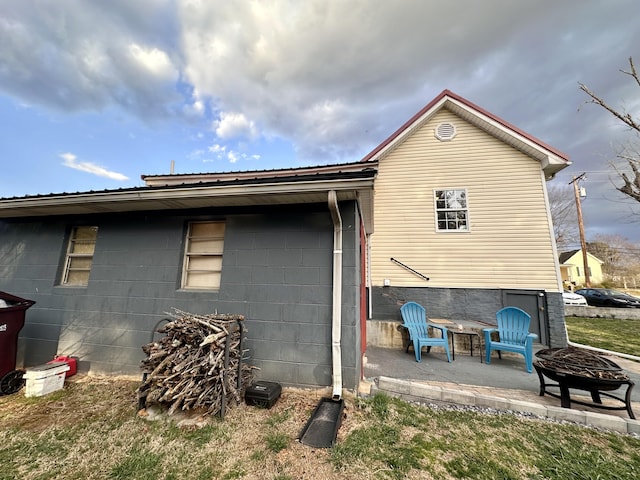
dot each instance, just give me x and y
(336, 324)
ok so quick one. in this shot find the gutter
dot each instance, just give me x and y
(229, 193)
(336, 322)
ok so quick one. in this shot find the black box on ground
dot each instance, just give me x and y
(262, 393)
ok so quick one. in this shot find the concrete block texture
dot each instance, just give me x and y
(430, 392)
(389, 384)
(568, 414)
(459, 397)
(528, 407)
(473, 304)
(633, 426)
(496, 403)
(276, 270)
(608, 422)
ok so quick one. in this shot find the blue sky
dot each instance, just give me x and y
(94, 94)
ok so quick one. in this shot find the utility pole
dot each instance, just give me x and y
(583, 243)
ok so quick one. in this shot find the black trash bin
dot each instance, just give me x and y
(12, 313)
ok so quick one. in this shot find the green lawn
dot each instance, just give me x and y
(617, 335)
(397, 440)
(90, 431)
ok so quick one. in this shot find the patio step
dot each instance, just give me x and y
(390, 334)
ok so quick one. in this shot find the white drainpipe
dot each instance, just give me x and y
(336, 325)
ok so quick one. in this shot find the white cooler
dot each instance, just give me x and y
(45, 378)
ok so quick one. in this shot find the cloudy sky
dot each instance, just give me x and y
(95, 93)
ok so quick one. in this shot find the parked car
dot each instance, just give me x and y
(573, 299)
(605, 297)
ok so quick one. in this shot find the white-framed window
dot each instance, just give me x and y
(79, 257)
(202, 265)
(452, 212)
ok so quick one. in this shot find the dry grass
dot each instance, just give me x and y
(91, 430)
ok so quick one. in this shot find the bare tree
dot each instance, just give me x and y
(563, 215)
(610, 249)
(621, 257)
(629, 154)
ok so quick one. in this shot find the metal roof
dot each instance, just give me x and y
(265, 189)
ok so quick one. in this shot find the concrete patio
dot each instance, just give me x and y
(503, 385)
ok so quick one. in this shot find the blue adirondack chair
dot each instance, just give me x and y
(513, 333)
(414, 319)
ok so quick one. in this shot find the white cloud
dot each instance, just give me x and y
(195, 109)
(71, 161)
(234, 125)
(222, 152)
(216, 148)
(268, 69)
(328, 79)
(85, 56)
(153, 60)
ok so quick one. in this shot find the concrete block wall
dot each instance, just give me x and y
(603, 312)
(557, 327)
(457, 304)
(277, 271)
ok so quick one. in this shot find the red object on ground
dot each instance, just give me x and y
(71, 361)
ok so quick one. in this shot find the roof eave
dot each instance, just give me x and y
(196, 196)
(247, 175)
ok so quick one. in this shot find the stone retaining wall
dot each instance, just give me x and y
(602, 312)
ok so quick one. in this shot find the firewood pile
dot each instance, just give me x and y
(198, 364)
(580, 362)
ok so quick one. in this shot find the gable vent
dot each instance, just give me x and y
(445, 131)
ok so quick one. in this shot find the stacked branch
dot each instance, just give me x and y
(197, 364)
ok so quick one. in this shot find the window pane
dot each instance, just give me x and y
(207, 229)
(86, 233)
(206, 246)
(77, 278)
(84, 248)
(202, 279)
(205, 263)
(79, 259)
(203, 255)
(77, 263)
(451, 210)
(83, 240)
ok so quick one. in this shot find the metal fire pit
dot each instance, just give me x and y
(583, 370)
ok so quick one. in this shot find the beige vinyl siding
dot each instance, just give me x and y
(509, 244)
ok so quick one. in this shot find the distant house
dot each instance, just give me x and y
(462, 222)
(572, 268)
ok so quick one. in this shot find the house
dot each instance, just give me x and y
(462, 226)
(572, 268)
(282, 248)
(462, 222)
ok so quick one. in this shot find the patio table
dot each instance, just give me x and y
(464, 332)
